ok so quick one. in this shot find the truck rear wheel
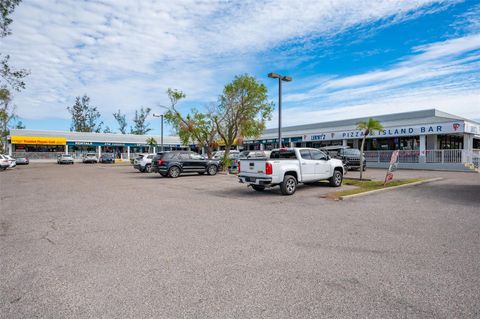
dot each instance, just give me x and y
(289, 185)
(336, 179)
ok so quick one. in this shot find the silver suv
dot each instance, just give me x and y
(144, 162)
(90, 158)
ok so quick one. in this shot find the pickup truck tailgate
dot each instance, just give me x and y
(252, 167)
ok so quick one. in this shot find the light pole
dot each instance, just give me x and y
(161, 129)
(280, 78)
(161, 125)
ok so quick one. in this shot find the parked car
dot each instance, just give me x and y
(287, 167)
(144, 162)
(4, 162)
(12, 161)
(349, 156)
(254, 154)
(218, 155)
(65, 159)
(22, 160)
(174, 163)
(90, 158)
(107, 158)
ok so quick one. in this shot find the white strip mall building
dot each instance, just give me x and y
(426, 139)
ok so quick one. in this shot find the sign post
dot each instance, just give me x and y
(392, 168)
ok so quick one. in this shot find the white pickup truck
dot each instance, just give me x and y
(289, 166)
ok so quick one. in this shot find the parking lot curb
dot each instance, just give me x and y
(390, 188)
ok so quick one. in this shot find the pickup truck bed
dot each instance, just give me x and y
(288, 167)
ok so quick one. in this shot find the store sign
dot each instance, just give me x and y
(38, 140)
(440, 128)
(472, 128)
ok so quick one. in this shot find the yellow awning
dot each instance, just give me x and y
(38, 140)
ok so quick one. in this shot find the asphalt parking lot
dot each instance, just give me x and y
(103, 241)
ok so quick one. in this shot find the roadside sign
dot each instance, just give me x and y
(392, 168)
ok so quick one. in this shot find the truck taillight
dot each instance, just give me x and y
(160, 162)
(268, 168)
(238, 166)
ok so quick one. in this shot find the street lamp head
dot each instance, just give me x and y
(287, 78)
(156, 115)
(273, 75)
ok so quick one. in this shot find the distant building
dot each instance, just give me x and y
(38, 144)
(426, 139)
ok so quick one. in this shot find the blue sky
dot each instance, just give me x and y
(348, 58)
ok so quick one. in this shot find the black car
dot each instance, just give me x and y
(107, 158)
(174, 163)
(349, 156)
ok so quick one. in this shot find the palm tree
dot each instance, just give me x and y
(151, 142)
(367, 127)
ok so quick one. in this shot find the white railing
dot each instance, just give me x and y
(384, 156)
(444, 156)
(430, 156)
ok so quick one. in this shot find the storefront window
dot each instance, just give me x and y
(450, 142)
(476, 143)
(38, 148)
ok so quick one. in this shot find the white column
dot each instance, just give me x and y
(467, 152)
(99, 148)
(344, 142)
(292, 144)
(66, 148)
(10, 149)
(128, 152)
(422, 148)
(262, 147)
(155, 149)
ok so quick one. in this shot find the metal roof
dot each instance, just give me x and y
(97, 137)
(430, 116)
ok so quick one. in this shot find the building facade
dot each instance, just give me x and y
(429, 139)
(426, 139)
(37, 144)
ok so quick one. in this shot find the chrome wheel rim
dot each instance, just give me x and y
(338, 178)
(174, 172)
(212, 170)
(290, 185)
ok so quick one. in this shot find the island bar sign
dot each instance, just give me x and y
(438, 128)
(38, 140)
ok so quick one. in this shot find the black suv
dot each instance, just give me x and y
(349, 156)
(174, 163)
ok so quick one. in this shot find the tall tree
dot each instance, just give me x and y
(367, 127)
(7, 115)
(85, 118)
(195, 127)
(6, 9)
(20, 125)
(242, 111)
(122, 121)
(140, 127)
(10, 78)
(151, 142)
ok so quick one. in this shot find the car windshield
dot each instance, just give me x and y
(351, 151)
(91, 155)
(66, 155)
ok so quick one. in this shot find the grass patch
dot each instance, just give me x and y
(366, 186)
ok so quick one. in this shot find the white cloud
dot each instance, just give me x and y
(126, 53)
(442, 75)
